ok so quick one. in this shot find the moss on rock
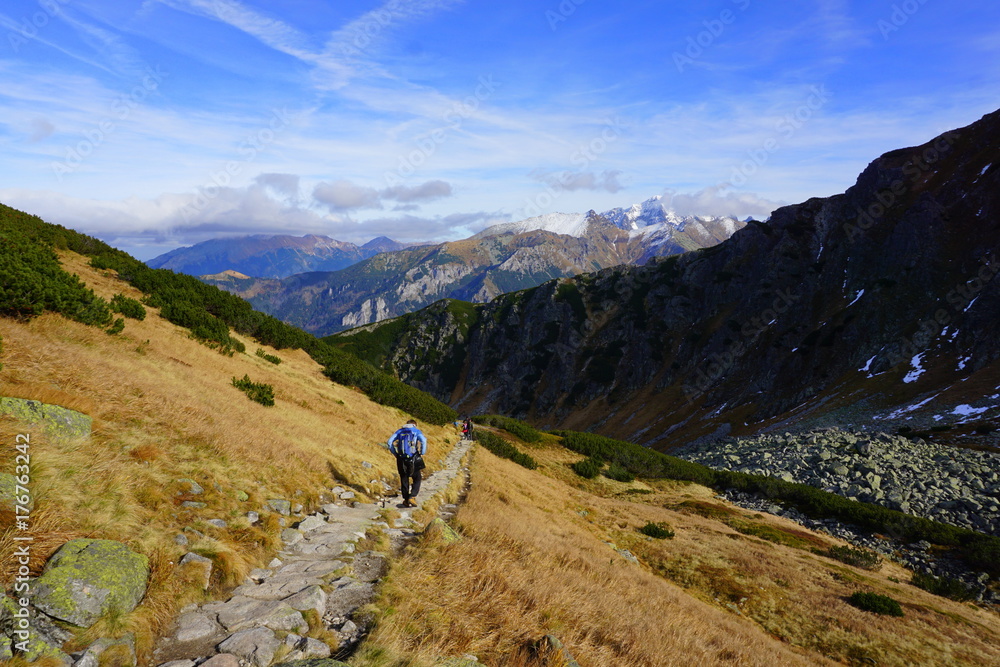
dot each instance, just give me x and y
(56, 420)
(86, 579)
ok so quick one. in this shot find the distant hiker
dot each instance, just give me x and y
(467, 429)
(409, 445)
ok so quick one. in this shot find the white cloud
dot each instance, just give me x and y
(286, 184)
(570, 181)
(426, 191)
(719, 200)
(343, 195)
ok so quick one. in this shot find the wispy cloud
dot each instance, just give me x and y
(570, 181)
(343, 195)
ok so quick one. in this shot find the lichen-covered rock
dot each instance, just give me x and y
(193, 487)
(280, 506)
(8, 493)
(56, 420)
(87, 578)
(37, 649)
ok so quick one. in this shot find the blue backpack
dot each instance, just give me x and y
(407, 443)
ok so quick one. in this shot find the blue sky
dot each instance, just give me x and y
(166, 122)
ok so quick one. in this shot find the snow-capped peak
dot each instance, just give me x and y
(648, 217)
(572, 224)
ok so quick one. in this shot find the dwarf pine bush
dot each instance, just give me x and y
(659, 531)
(128, 307)
(589, 467)
(875, 603)
(268, 357)
(255, 391)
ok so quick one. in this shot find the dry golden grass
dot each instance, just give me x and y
(164, 409)
(530, 565)
(538, 558)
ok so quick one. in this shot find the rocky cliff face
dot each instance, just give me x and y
(877, 302)
(476, 269)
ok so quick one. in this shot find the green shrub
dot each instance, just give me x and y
(116, 327)
(503, 448)
(33, 281)
(513, 426)
(659, 531)
(863, 558)
(255, 391)
(589, 467)
(875, 603)
(128, 307)
(346, 369)
(274, 359)
(946, 587)
(618, 473)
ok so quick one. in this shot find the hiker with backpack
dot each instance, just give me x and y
(408, 445)
(467, 429)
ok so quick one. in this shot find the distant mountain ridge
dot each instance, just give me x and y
(880, 303)
(503, 258)
(266, 256)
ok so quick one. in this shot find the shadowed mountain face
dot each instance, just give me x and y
(502, 259)
(877, 303)
(270, 256)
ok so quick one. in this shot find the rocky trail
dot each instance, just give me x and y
(317, 572)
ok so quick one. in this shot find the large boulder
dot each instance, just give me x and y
(87, 578)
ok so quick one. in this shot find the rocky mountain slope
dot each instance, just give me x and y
(263, 256)
(895, 471)
(501, 259)
(880, 302)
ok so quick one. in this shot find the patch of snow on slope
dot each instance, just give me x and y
(868, 364)
(572, 224)
(917, 371)
(910, 408)
(860, 294)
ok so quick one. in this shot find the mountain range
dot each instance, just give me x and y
(265, 256)
(503, 258)
(877, 303)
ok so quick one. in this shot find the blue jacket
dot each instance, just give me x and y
(421, 438)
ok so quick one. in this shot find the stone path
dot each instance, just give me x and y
(317, 574)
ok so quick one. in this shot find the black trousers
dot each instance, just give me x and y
(408, 471)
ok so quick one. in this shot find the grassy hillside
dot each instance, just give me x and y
(164, 409)
(543, 552)
(33, 282)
